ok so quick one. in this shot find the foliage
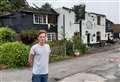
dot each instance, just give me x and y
(14, 54)
(78, 45)
(79, 11)
(46, 6)
(57, 47)
(7, 6)
(69, 47)
(83, 48)
(18, 4)
(28, 37)
(7, 35)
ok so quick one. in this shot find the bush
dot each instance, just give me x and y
(55, 43)
(69, 48)
(58, 47)
(83, 49)
(28, 37)
(78, 45)
(14, 54)
(7, 35)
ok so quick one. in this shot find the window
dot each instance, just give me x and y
(98, 36)
(51, 36)
(98, 20)
(40, 19)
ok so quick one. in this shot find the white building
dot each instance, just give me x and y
(66, 19)
(92, 28)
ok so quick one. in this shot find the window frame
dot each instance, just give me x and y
(52, 36)
(36, 20)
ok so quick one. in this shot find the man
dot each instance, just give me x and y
(39, 58)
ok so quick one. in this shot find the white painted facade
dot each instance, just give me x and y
(70, 26)
(89, 25)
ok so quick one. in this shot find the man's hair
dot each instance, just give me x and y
(42, 31)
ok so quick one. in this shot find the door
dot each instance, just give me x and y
(88, 38)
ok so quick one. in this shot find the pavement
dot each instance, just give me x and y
(103, 67)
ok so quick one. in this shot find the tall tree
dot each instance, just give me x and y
(79, 12)
(79, 15)
(5, 7)
(18, 4)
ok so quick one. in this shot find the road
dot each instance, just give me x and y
(104, 64)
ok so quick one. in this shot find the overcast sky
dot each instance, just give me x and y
(111, 8)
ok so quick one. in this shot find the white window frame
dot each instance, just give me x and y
(51, 34)
(38, 17)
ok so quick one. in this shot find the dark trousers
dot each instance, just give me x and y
(40, 78)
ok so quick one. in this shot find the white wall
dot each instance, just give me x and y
(70, 26)
(95, 28)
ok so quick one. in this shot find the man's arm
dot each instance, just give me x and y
(31, 54)
(30, 59)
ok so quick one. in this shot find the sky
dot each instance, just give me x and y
(110, 8)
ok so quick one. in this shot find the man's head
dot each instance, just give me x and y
(42, 36)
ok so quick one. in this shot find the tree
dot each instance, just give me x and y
(79, 15)
(5, 7)
(18, 4)
(79, 12)
(46, 6)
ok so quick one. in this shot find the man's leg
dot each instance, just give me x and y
(44, 78)
(36, 78)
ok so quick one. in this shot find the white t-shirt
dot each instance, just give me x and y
(40, 58)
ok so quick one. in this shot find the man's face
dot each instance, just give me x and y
(42, 38)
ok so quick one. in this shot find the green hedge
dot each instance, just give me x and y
(7, 35)
(14, 54)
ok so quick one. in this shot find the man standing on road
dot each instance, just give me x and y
(39, 58)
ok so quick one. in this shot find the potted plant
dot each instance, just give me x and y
(76, 53)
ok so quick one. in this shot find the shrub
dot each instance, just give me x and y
(78, 45)
(28, 37)
(58, 47)
(55, 43)
(14, 54)
(7, 35)
(69, 48)
(76, 42)
(83, 49)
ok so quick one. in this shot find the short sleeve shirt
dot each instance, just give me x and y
(40, 58)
